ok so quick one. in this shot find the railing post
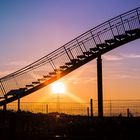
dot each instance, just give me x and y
(99, 82)
(88, 111)
(79, 45)
(91, 107)
(46, 108)
(122, 23)
(68, 53)
(52, 64)
(138, 15)
(111, 28)
(110, 108)
(128, 113)
(93, 37)
(2, 88)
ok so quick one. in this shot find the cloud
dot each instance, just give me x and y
(131, 55)
(123, 76)
(17, 63)
(109, 57)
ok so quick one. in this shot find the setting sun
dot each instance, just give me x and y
(58, 88)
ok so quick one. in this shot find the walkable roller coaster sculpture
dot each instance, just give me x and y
(79, 51)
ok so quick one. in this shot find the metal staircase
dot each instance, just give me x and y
(86, 47)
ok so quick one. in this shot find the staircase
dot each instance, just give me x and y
(86, 47)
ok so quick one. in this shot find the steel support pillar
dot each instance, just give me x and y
(5, 104)
(18, 103)
(100, 87)
(5, 107)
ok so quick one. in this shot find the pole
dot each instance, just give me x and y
(91, 107)
(99, 81)
(47, 109)
(110, 108)
(128, 113)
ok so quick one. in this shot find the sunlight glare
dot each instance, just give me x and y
(58, 88)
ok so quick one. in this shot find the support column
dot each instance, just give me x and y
(5, 104)
(18, 103)
(99, 82)
(4, 107)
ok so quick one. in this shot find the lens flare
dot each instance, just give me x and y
(58, 88)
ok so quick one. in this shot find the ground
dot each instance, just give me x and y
(54, 126)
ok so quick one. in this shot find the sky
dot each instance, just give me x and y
(30, 29)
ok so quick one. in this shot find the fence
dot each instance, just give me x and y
(111, 107)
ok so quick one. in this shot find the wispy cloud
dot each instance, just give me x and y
(131, 55)
(109, 57)
(112, 57)
(17, 63)
(123, 76)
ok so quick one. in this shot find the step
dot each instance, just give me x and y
(47, 76)
(35, 83)
(16, 91)
(52, 73)
(102, 46)
(74, 60)
(57, 70)
(63, 67)
(29, 86)
(110, 41)
(120, 37)
(88, 53)
(137, 30)
(94, 49)
(41, 79)
(131, 32)
(81, 57)
(13, 92)
(69, 63)
(22, 89)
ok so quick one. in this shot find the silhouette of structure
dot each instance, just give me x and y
(79, 51)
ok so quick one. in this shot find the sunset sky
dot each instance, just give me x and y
(30, 29)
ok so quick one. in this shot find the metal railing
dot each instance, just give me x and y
(68, 52)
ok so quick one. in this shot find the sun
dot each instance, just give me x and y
(58, 88)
